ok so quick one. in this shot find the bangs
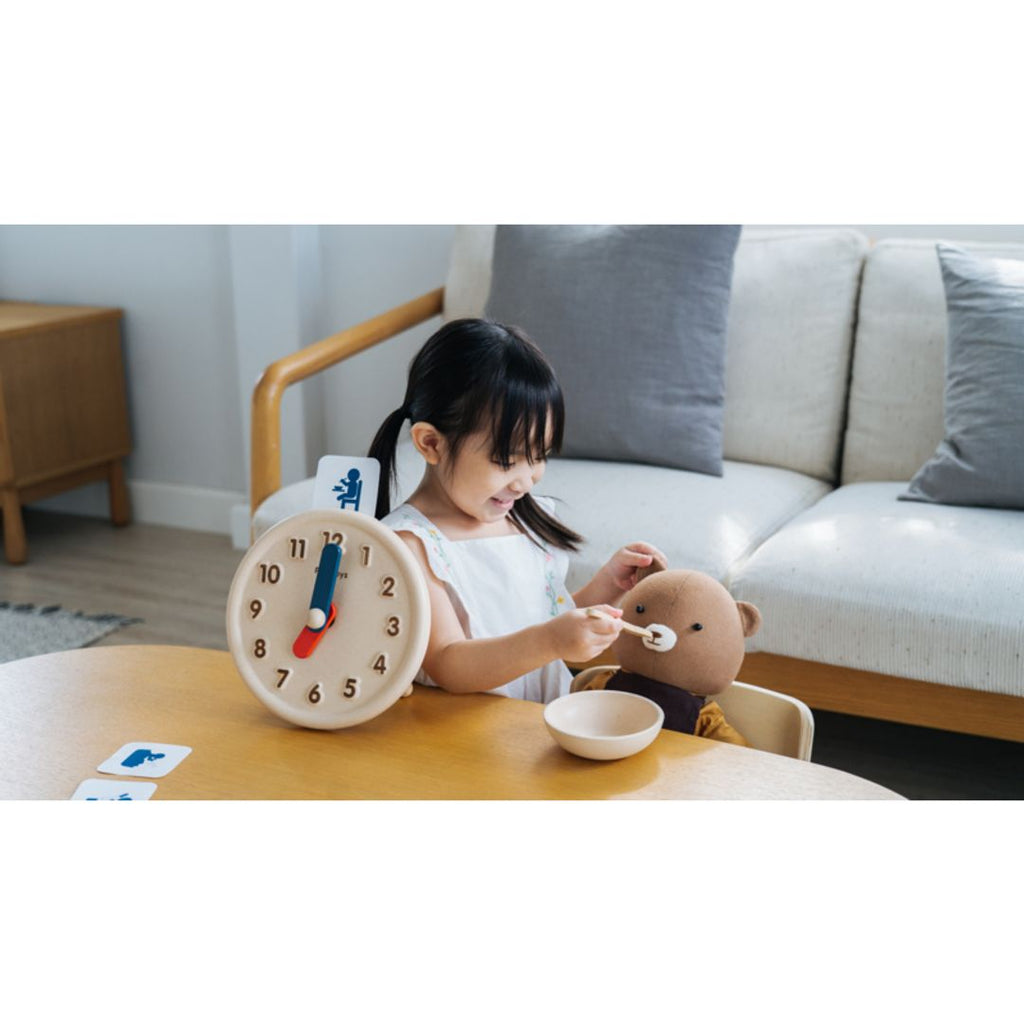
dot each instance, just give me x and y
(508, 389)
(531, 420)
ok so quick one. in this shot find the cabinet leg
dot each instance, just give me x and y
(15, 544)
(120, 504)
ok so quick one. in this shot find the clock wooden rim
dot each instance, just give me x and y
(414, 647)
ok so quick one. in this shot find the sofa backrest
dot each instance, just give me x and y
(898, 377)
(791, 320)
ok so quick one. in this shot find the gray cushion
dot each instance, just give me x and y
(634, 321)
(980, 461)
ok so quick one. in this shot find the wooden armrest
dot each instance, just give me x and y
(266, 398)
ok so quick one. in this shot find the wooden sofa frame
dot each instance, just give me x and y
(821, 686)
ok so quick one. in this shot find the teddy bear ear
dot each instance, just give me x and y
(657, 565)
(750, 617)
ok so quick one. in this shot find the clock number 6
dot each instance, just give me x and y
(314, 694)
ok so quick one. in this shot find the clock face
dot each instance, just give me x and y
(355, 652)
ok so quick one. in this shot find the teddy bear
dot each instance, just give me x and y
(692, 650)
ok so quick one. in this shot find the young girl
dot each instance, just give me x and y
(486, 411)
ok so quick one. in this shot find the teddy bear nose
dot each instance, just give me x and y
(662, 638)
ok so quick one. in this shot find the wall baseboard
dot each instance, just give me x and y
(186, 508)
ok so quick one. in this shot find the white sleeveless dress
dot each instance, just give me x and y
(497, 585)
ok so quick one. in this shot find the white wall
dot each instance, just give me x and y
(947, 232)
(370, 270)
(207, 308)
(173, 285)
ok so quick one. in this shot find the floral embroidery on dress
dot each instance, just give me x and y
(423, 525)
(556, 599)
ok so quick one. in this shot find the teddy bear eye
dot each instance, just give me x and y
(697, 627)
(640, 608)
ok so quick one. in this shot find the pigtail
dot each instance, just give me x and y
(530, 517)
(383, 450)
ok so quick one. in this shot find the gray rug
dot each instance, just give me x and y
(27, 630)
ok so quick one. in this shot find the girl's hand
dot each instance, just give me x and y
(576, 636)
(621, 569)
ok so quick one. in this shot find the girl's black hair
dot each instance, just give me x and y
(470, 374)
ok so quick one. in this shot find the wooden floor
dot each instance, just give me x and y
(177, 581)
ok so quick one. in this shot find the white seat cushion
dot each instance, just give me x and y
(929, 592)
(700, 522)
(282, 504)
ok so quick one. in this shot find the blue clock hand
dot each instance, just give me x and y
(323, 591)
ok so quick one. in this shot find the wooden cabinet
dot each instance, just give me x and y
(63, 409)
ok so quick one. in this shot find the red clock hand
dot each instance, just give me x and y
(306, 641)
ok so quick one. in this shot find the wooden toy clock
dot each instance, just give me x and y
(328, 618)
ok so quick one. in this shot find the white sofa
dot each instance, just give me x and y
(834, 392)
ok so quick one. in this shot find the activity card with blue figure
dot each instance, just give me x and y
(347, 482)
(114, 789)
(145, 760)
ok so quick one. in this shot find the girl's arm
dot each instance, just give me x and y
(618, 574)
(461, 665)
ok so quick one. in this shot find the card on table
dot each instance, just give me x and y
(113, 789)
(347, 482)
(148, 760)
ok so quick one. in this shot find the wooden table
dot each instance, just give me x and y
(63, 714)
(63, 409)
